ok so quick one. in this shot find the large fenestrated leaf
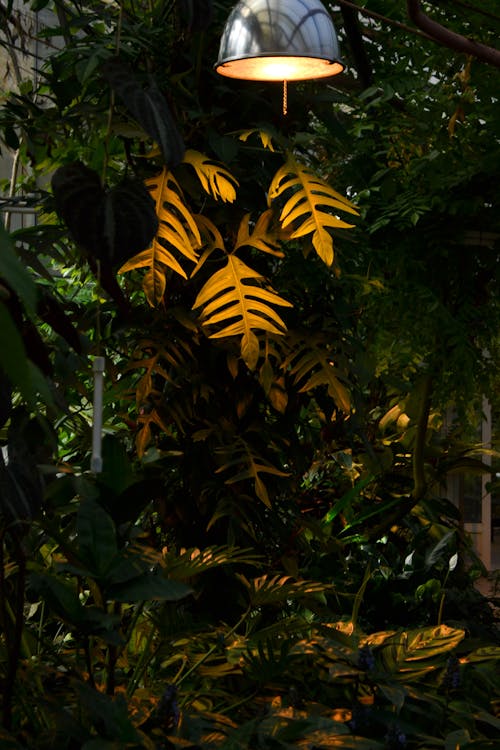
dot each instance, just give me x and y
(312, 364)
(311, 206)
(216, 180)
(237, 298)
(177, 233)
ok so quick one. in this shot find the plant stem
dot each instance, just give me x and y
(142, 664)
(419, 481)
(441, 601)
(88, 661)
(14, 652)
(112, 659)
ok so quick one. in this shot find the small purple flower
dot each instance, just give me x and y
(168, 708)
(395, 739)
(366, 660)
(451, 679)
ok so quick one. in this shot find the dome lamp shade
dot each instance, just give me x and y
(279, 40)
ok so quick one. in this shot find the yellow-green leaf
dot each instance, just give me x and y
(241, 307)
(154, 284)
(177, 232)
(216, 180)
(211, 240)
(311, 364)
(261, 236)
(265, 137)
(248, 465)
(311, 206)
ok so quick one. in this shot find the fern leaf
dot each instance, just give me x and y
(242, 307)
(279, 589)
(249, 465)
(261, 236)
(216, 180)
(177, 231)
(193, 561)
(311, 361)
(311, 206)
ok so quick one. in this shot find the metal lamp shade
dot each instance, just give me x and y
(279, 40)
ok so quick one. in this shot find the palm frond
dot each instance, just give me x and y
(266, 589)
(193, 561)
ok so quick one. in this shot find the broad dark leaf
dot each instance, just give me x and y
(21, 489)
(15, 503)
(148, 586)
(148, 106)
(130, 220)
(96, 537)
(14, 273)
(110, 713)
(79, 200)
(5, 398)
(109, 224)
(64, 601)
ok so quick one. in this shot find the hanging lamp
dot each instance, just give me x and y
(279, 40)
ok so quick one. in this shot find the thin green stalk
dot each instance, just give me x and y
(360, 594)
(441, 601)
(239, 703)
(213, 648)
(142, 664)
(3, 597)
(113, 653)
(88, 660)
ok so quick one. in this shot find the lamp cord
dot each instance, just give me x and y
(285, 98)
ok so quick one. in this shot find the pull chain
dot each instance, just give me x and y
(285, 98)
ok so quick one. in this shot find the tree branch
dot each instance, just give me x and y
(355, 37)
(380, 17)
(449, 38)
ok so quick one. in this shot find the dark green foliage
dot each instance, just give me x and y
(79, 197)
(109, 224)
(268, 559)
(147, 104)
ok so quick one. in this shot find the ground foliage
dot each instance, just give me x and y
(268, 558)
